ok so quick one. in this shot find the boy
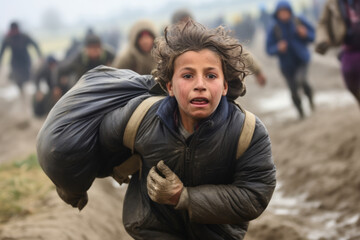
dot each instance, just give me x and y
(288, 39)
(191, 186)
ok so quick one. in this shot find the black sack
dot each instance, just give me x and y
(68, 142)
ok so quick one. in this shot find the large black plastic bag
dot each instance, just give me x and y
(67, 144)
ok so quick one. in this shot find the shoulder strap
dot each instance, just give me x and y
(246, 134)
(277, 32)
(135, 121)
(133, 163)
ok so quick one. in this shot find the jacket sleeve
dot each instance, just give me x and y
(67, 66)
(322, 33)
(35, 45)
(251, 62)
(271, 42)
(249, 194)
(125, 61)
(310, 30)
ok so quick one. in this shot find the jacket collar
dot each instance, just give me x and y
(168, 112)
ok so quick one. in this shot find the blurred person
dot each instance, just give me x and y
(196, 127)
(339, 25)
(137, 56)
(92, 54)
(18, 43)
(288, 39)
(181, 15)
(44, 100)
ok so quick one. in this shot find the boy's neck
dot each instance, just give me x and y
(189, 126)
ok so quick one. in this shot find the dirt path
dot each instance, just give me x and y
(100, 219)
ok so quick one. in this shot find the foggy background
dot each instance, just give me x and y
(54, 23)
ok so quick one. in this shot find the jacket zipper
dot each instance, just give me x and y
(187, 166)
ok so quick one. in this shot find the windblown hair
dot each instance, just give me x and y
(192, 36)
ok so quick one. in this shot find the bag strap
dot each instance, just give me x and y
(136, 119)
(246, 134)
(133, 164)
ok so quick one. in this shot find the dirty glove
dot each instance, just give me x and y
(164, 190)
(76, 200)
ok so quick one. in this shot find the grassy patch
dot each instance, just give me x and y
(22, 184)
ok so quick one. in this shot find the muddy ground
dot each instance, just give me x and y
(318, 160)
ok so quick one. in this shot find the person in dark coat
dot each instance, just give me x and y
(18, 43)
(44, 100)
(90, 56)
(191, 185)
(288, 39)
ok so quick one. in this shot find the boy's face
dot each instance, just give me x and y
(284, 15)
(198, 84)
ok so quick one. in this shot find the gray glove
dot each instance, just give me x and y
(164, 190)
(76, 200)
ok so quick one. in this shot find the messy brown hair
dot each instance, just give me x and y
(192, 36)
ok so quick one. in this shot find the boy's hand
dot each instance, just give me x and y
(78, 200)
(164, 190)
(302, 31)
(282, 46)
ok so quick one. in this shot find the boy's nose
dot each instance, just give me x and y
(200, 84)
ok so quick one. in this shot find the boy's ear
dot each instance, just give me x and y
(169, 88)
(226, 87)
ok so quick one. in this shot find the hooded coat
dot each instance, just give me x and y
(133, 58)
(224, 193)
(297, 52)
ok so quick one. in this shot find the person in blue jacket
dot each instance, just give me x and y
(288, 39)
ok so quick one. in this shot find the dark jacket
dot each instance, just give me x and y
(20, 58)
(19, 44)
(297, 52)
(225, 193)
(79, 64)
(44, 73)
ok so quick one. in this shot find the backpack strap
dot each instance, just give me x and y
(246, 134)
(136, 119)
(133, 164)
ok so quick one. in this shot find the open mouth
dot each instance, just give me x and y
(199, 101)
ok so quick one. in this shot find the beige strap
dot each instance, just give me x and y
(131, 165)
(135, 121)
(246, 134)
(122, 172)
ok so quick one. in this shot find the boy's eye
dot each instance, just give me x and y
(187, 76)
(211, 76)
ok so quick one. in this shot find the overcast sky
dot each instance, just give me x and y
(31, 12)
